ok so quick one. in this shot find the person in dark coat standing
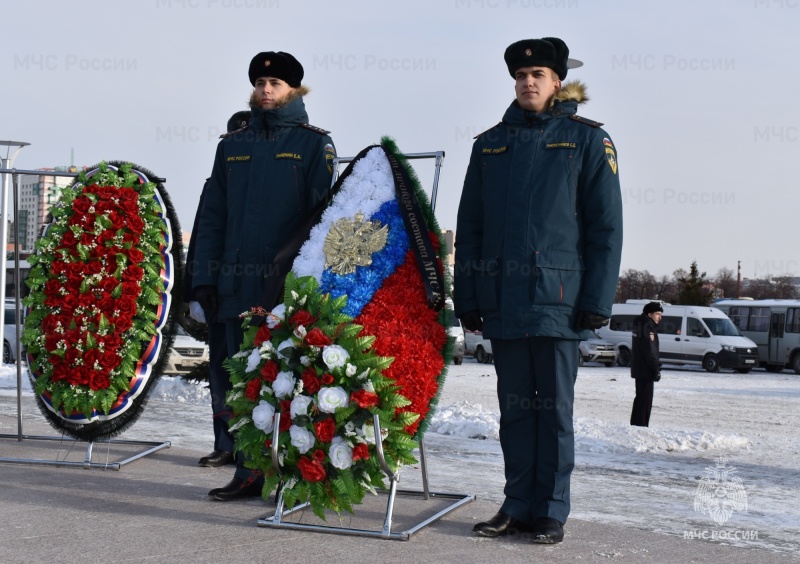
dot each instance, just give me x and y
(268, 177)
(538, 245)
(219, 383)
(645, 367)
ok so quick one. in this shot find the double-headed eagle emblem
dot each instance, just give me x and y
(351, 243)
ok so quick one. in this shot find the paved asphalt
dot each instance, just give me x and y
(155, 509)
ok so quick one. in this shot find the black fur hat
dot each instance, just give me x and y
(550, 52)
(652, 307)
(238, 120)
(279, 65)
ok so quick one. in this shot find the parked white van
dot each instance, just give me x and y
(696, 335)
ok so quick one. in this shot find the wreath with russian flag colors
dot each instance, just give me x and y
(97, 329)
(360, 332)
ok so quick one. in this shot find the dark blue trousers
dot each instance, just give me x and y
(535, 387)
(235, 339)
(220, 384)
(642, 403)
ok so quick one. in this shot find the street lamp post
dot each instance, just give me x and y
(12, 150)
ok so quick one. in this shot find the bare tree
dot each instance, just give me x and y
(726, 283)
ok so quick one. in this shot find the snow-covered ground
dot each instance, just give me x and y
(646, 478)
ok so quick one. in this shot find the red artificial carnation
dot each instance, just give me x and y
(360, 452)
(262, 335)
(317, 338)
(302, 317)
(327, 379)
(325, 429)
(269, 372)
(418, 357)
(364, 398)
(253, 390)
(319, 455)
(311, 470)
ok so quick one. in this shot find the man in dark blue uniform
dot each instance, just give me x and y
(267, 179)
(538, 245)
(645, 365)
(219, 382)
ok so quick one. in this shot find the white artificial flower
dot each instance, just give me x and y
(305, 361)
(302, 438)
(300, 406)
(349, 429)
(277, 316)
(340, 453)
(253, 360)
(300, 332)
(368, 386)
(367, 433)
(334, 356)
(283, 384)
(263, 415)
(350, 369)
(331, 398)
(295, 295)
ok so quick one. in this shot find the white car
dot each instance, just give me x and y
(185, 354)
(597, 350)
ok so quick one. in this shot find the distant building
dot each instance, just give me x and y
(36, 195)
(450, 239)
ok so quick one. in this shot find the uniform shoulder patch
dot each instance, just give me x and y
(315, 129)
(488, 130)
(587, 121)
(234, 132)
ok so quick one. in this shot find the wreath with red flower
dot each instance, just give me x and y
(99, 300)
(312, 365)
(381, 308)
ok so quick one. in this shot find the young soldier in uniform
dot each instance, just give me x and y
(267, 178)
(219, 383)
(538, 245)
(645, 367)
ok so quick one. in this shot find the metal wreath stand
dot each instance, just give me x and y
(386, 532)
(87, 463)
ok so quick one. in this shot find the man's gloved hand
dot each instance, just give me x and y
(657, 377)
(207, 296)
(588, 320)
(472, 321)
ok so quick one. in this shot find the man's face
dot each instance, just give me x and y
(655, 316)
(535, 86)
(270, 91)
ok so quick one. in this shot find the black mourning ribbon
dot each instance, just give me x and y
(417, 230)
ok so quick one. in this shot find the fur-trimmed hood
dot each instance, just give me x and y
(572, 91)
(298, 92)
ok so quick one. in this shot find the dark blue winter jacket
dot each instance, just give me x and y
(539, 232)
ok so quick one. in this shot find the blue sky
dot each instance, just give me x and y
(697, 96)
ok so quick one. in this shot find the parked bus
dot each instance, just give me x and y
(774, 325)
